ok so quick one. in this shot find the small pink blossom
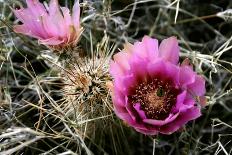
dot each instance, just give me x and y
(151, 91)
(52, 26)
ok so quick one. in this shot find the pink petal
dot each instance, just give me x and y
(186, 77)
(21, 29)
(119, 109)
(48, 26)
(182, 104)
(141, 113)
(198, 87)
(54, 7)
(139, 50)
(122, 59)
(181, 120)
(19, 13)
(142, 128)
(36, 8)
(24, 30)
(147, 49)
(179, 101)
(128, 48)
(148, 131)
(187, 63)
(51, 41)
(172, 72)
(189, 100)
(33, 22)
(203, 101)
(119, 99)
(131, 110)
(139, 69)
(76, 15)
(164, 70)
(56, 17)
(69, 27)
(151, 47)
(28, 20)
(169, 50)
(67, 17)
(156, 68)
(154, 122)
(115, 69)
(125, 84)
(125, 116)
(36, 11)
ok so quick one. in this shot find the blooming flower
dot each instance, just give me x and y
(151, 91)
(52, 26)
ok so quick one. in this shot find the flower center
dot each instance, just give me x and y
(156, 98)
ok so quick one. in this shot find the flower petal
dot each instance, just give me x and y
(203, 100)
(154, 122)
(123, 84)
(151, 47)
(67, 17)
(131, 110)
(36, 8)
(30, 22)
(181, 104)
(164, 70)
(198, 87)
(76, 14)
(148, 131)
(56, 17)
(121, 59)
(186, 62)
(186, 77)
(115, 69)
(182, 119)
(169, 50)
(24, 30)
(156, 68)
(141, 113)
(138, 67)
(51, 41)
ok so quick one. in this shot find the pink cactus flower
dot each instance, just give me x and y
(151, 91)
(49, 25)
